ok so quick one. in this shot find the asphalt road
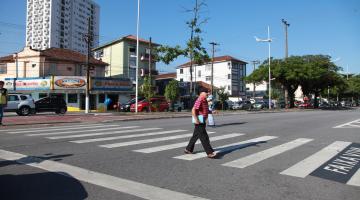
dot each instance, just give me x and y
(295, 155)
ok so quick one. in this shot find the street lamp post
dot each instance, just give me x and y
(268, 40)
(137, 58)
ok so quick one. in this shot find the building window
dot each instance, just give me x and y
(181, 71)
(3, 69)
(199, 73)
(228, 87)
(72, 98)
(52, 69)
(132, 49)
(181, 80)
(33, 65)
(208, 78)
(229, 76)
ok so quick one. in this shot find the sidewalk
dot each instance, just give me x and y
(11, 120)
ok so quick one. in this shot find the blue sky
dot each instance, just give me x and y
(329, 27)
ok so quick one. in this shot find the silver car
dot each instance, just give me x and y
(22, 104)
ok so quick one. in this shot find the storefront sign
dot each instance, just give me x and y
(22, 84)
(111, 84)
(69, 82)
(9, 84)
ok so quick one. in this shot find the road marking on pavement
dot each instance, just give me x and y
(183, 144)
(107, 181)
(308, 165)
(135, 142)
(268, 153)
(355, 179)
(125, 136)
(222, 148)
(351, 124)
(45, 129)
(96, 134)
(81, 131)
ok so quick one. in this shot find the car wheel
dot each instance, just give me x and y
(25, 110)
(61, 111)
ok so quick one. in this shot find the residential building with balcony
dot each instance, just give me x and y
(120, 54)
(229, 72)
(61, 24)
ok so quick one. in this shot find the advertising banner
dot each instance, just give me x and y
(111, 84)
(69, 82)
(28, 84)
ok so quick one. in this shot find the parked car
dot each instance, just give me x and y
(126, 107)
(22, 104)
(236, 106)
(55, 104)
(157, 104)
(178, 106)
(266, 104)
(258, 105)
(245, 105)
(306, 105)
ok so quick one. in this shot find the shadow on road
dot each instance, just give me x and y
(33, 159)
(227, 150)
(47, 185)
(228, 124)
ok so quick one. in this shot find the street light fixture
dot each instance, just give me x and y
(268, 40)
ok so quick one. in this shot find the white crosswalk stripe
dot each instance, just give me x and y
(58, 128)
(183, 144)
(122, 144)
(106, 133)
(125, 136)
(260, 156)
(221, 148)
(81, 131)
(305, 167)
(355, 179)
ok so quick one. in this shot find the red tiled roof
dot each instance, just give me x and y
(68, 55)
(8, 58)
(216, 59)
(204, 85)
(128, 37)
(166, 76)
(133, 37)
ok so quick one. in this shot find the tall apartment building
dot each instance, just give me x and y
(229, 72)
(61, 24)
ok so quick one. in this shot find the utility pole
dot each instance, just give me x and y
(212, 66)
(88, 38)
(150, 60)
(286, 25)
(254, 63)
(286, 92)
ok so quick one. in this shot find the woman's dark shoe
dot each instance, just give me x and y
(212, 155)
(187, 151)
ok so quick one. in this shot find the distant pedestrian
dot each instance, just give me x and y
(211, 104)
(200, 113)
(3, 100)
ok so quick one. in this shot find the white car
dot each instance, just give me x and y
(22, 104)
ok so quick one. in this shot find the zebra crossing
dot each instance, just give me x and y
(339, 157)
(352, 124)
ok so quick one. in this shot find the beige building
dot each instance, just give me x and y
(54, 61)
(120, 54)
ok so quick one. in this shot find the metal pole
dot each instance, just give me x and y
(17, 65)
(137, 58)
(212, 67)
(254, 63)
(87, 92)
(150, 60)
(286, 36)
(269, 67)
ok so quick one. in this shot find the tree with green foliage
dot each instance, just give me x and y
(147, 90)
(193, 50)
(172, 92)
(223, 96)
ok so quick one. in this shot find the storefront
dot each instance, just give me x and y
(72, 88)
